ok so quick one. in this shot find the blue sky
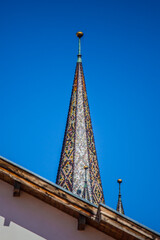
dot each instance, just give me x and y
(121, 59)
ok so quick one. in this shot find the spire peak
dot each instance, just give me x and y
(79, 35)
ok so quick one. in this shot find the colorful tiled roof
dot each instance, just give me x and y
(79, 146)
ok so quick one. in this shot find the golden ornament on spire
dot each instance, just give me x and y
(79, 34)
(119, 180)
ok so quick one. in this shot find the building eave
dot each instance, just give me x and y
(100, 217)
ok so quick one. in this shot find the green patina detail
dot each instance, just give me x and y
(79, 59)
(79, 47)
(79, 51)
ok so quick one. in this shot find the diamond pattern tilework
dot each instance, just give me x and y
(81, 151)
(95, 180)
(65, 171)
(79, 146)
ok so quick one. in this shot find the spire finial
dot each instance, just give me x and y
(85, 191)
(119, 204)
(79, 35)
(85, 168)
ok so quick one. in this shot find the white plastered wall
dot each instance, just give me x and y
(14, 231)
(27, 217)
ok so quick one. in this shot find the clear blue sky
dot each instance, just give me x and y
(121, 61)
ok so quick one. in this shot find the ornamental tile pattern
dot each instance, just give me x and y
(81, 151)
(79, 147)
(65, 170)
(95, 180)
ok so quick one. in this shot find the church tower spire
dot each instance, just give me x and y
(78, 146)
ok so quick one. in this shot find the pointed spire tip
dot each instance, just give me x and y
(119, 204)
